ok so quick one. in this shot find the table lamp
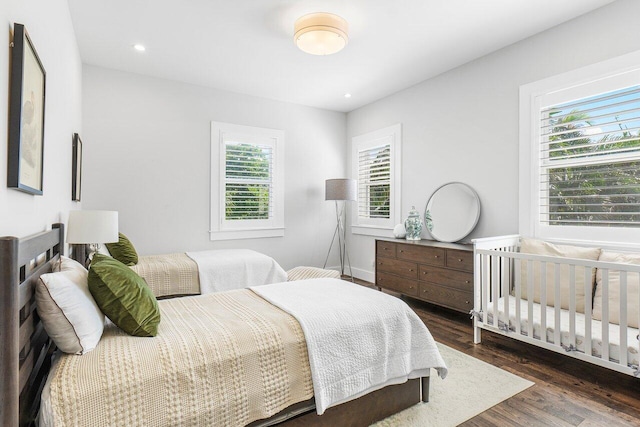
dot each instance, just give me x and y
(93, 228)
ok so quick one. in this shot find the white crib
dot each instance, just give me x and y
(504, 304)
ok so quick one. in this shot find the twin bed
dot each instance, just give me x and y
(275, 354)
(204, 272)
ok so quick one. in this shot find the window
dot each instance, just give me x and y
(583, 158)
(376, 161)
(247, 197)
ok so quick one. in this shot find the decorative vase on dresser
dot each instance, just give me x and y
(435, 272)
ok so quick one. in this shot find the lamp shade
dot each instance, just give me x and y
(341, 189)
(92, 227)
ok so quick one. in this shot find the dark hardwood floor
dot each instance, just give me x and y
(567, 392)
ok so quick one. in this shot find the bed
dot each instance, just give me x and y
(576, 300)
(195, 272)
(26, 361)
(203, 272)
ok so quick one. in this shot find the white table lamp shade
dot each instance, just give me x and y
(92, 227)
(341, 189)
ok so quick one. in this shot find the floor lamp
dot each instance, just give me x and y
(341, 190)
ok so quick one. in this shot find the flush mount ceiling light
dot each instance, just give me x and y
(321, 33)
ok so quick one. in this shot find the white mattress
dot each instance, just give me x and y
(596, 329)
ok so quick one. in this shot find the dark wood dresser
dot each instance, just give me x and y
(436, 272)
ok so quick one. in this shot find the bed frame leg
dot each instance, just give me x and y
(424, 382)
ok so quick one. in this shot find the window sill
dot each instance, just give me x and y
(368, 230)
(246, 234)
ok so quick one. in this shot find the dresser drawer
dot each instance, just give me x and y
(385, 249)
(444, 276)
(460, 260)
(399, 284)
(421, 254)
(401, 268)
(446, 297)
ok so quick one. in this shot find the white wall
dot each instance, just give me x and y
(48, 23)
(147, 155)
(463, 124)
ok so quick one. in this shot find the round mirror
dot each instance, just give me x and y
(452, 211)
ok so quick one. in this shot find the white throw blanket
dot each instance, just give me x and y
(385, 342)
(227, 269)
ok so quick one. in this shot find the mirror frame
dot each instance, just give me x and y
(475, 222)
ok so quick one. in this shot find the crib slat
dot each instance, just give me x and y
(485, 287)
(530, 298)
(506, 292)
(495, 289)
(518, 293)
(623, 318)
(543, 301)
(572, 304)
(587, 310)
(605, 314)
(557, 338)
(637, 342)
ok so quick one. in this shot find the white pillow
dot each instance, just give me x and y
(68, 264)
(539, 247)
(69, 313)
(633, 290)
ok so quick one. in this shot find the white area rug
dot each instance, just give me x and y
(471, 387)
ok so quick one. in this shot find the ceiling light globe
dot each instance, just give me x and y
(321, 33)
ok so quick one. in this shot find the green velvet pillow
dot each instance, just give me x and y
(123, 296)
(123, 250)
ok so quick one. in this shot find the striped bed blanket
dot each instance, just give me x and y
(169, 274)
(223, 359)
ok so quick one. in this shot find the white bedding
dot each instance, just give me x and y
(227, 269)
(385, 342)
(596, 329)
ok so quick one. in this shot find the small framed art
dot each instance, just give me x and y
(26, 115)
(76, 178)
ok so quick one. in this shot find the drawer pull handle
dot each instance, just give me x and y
(424, 272)
(410, 287)
(424, 291)
(401, 251)
(460, 259)
(466, 302)
(437, 256)
(411, 269)
(466, 281)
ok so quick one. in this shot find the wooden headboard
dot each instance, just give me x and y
(25, 358)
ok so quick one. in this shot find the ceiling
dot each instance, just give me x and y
(246, 46)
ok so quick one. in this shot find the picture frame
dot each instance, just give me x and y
(26, 115)
(76, 177)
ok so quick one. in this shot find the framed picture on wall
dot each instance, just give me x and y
(26, 115)
(76, 178)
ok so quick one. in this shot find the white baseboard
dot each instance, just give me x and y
(361, 274)
(358, 273)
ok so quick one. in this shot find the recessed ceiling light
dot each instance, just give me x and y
(139, 47)
(347, 95)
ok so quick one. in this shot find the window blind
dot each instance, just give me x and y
(590, 161)
(374, 182)
(248, 181)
